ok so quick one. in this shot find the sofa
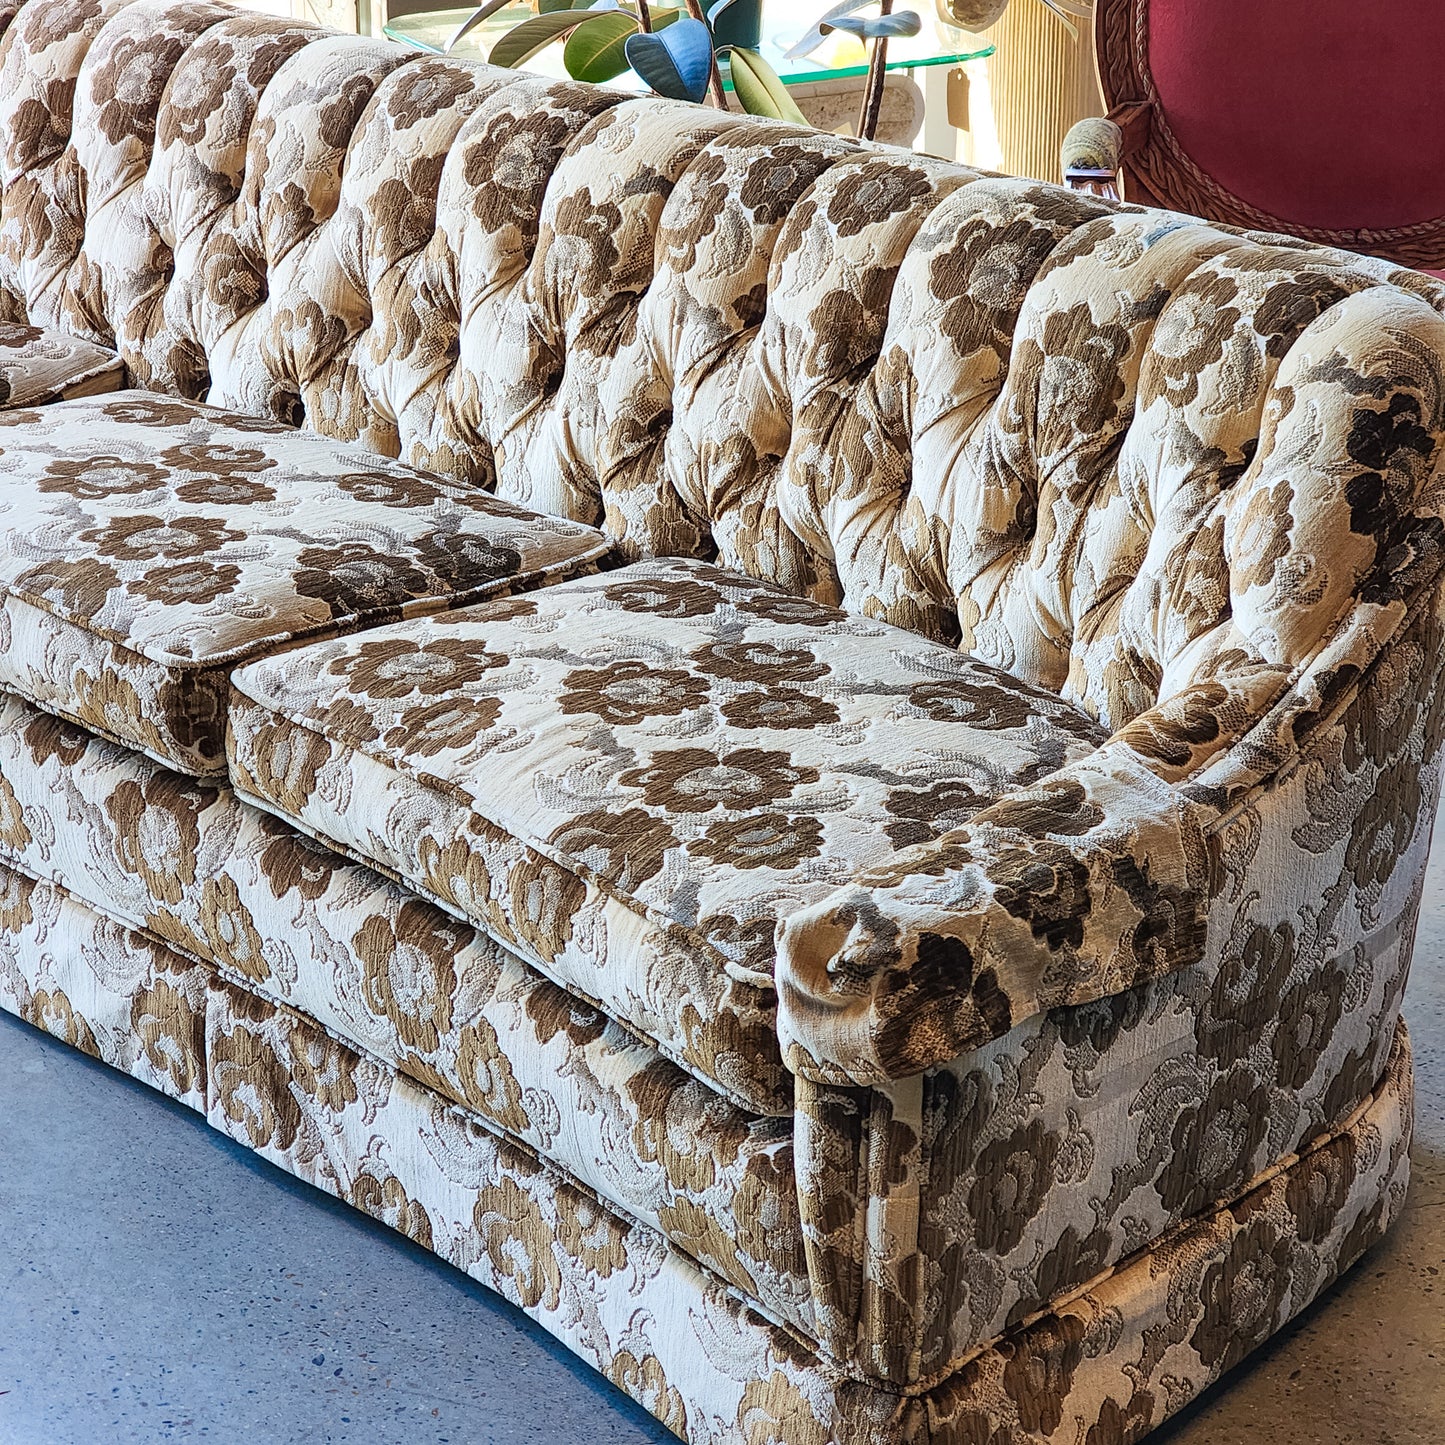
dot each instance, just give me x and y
(814, 764)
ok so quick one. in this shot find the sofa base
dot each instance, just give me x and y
(1102, 1368)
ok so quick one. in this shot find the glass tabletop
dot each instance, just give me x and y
(839, 57)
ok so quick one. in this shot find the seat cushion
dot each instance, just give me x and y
(148, 545)
(39, 366)
(630, 778)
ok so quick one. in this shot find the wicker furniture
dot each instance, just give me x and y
(1322, 120)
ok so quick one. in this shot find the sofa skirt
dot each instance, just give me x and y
(1104, 1366)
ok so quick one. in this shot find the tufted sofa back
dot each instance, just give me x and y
(1121, 453)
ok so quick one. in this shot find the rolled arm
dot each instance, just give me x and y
(1084, 885)
(1099, 878)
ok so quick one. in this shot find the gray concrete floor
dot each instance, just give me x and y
(160, 1283)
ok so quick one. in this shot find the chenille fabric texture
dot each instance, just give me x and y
(895, 936)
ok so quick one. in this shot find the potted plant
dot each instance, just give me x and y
(676, 49)
(877, 30)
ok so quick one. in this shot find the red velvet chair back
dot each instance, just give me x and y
(1324, 118)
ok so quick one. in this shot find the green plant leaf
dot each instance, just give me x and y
(759, 89)
(597, 52)
(549, 7)
(521, 43)
(734, 22)
(594, 51)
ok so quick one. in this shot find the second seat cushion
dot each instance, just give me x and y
(38, 366)
(148, 545)
(630, 778)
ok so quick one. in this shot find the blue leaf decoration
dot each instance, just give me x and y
(877, 27)
(676, 62)
(815, 37)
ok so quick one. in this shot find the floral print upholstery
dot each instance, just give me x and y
(105, 989)
(419, 265)
(1073, 1071)
(1113, 1360)
(1130, 1115)
(1264, 1043)
(1154, 1088)
(1329, 545)
(186, 863)
(39, 366)
(148, 545)
(646, 770)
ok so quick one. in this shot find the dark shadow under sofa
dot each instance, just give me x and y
(813, 764)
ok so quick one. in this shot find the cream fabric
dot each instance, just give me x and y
(186, 881)
(1135, 1345)
(1178, 485)
(1010, 1178)
(39, 366)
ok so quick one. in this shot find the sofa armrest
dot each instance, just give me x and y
(1099, 878)
(1318, 825)
(1095, 148)
(38, 366)
(1075, 889)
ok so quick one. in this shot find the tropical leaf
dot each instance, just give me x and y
(595, 51)
(815, 37)
(549, 7)
(676, 62)
(876, 27)
(522, 43)
(735, 22)
(759, 89)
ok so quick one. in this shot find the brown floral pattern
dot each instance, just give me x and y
(684, 828)
(102, 988)
(1149, 1337)
(39, 366)
(408, 983)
